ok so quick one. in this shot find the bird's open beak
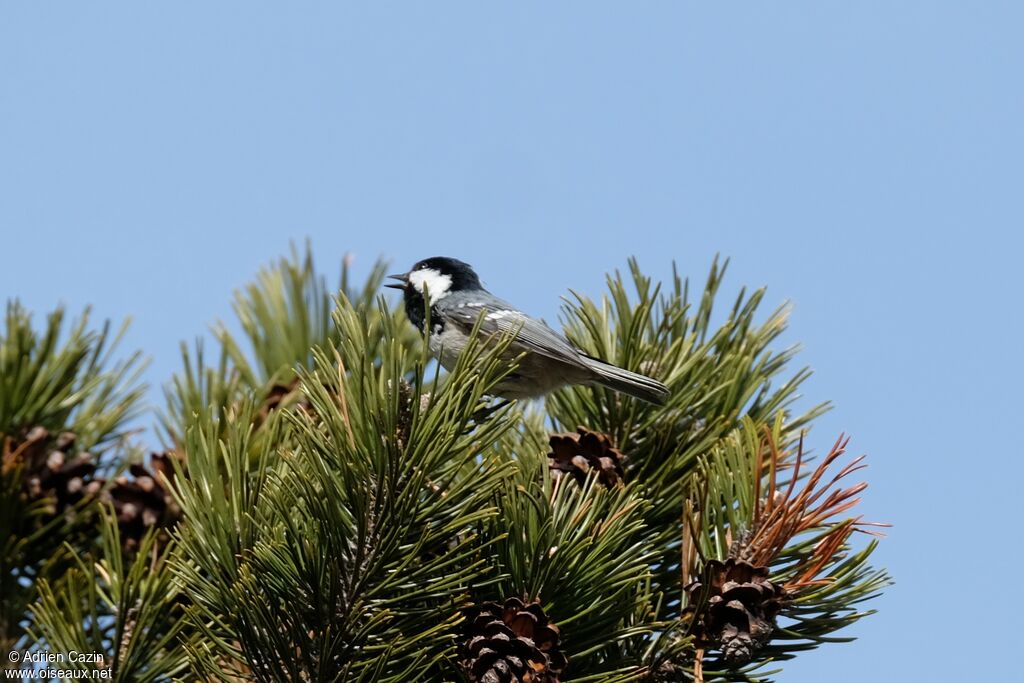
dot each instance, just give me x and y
(403, 279)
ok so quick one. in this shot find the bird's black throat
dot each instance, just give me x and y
(415, 310)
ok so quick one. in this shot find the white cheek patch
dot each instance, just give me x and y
(437, 285)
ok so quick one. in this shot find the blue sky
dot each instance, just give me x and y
(863, 160)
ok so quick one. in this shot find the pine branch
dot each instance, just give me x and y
(72, 383)
(574, 548)
(337, 556)
(283, 315)
(65, 402)
(127, 612)
(716, 375)
(778, 542)
(350, 513)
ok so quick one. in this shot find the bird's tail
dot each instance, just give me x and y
(629, 383)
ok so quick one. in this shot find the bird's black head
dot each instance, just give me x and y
(438, 276)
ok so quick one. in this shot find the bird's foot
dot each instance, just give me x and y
(485, 412)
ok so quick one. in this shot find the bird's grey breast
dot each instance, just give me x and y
(447, 342)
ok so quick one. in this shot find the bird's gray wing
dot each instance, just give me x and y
(501, 318)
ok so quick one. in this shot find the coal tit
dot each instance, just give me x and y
(457, 299)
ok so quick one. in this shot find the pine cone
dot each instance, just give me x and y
(511, 643)
(739, 615)
(577, 454)
(142, 501)
(276, 396)
(51, 469)
(54, 471)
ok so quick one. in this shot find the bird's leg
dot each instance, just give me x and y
(485, 412)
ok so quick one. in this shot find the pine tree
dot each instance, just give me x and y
(328, 505)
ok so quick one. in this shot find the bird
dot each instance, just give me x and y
(546, 360)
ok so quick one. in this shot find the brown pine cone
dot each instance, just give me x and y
(511, 643)
(142, 501)
(738, 617)
(577, 454)
(52, 469)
